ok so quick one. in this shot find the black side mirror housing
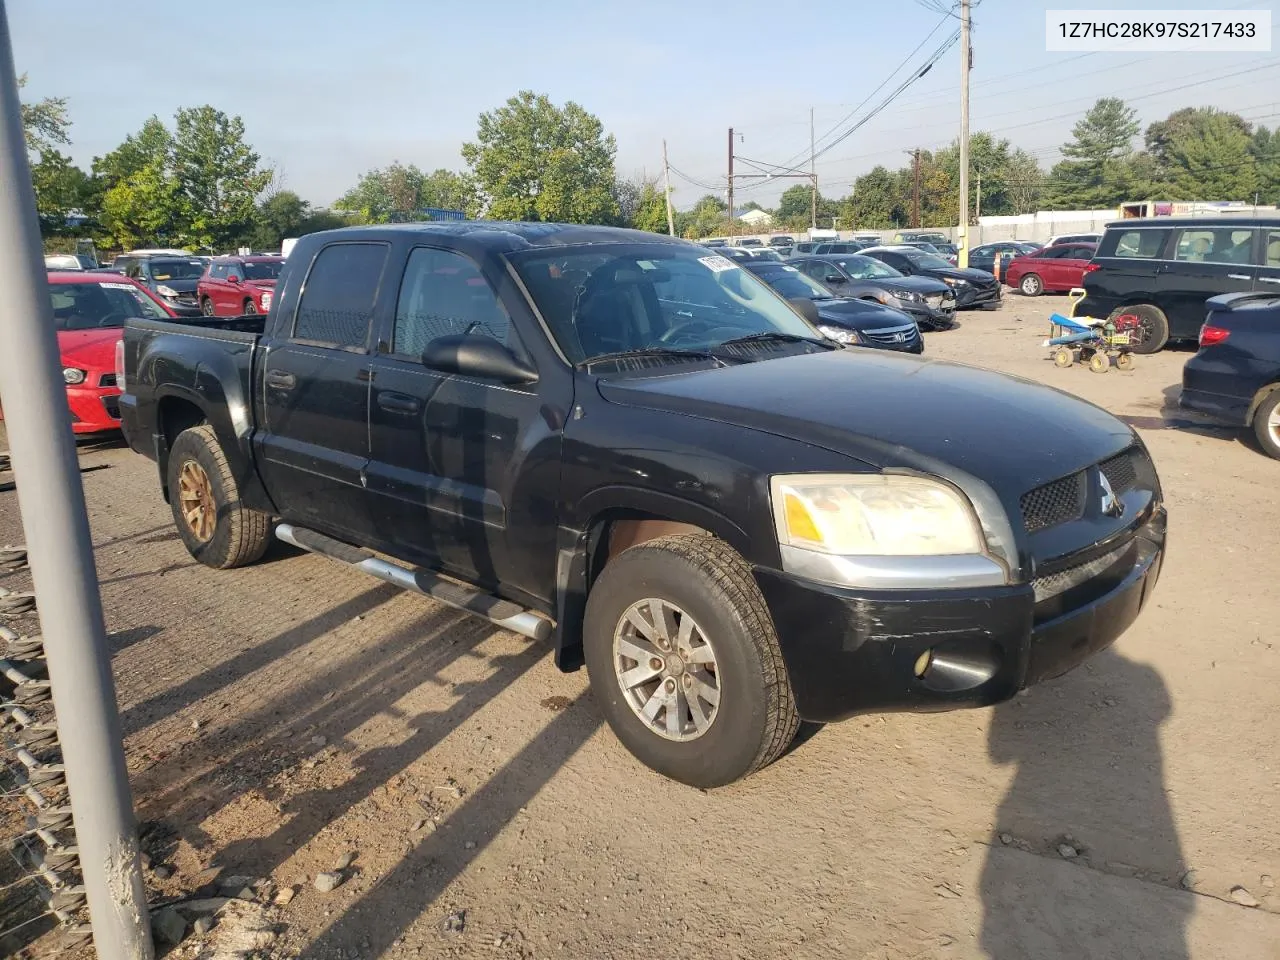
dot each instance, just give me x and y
(477, 356)
(833, 278)
(806, 308)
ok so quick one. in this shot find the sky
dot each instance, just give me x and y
(328, 90)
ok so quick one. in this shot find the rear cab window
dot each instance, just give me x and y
(338, 296)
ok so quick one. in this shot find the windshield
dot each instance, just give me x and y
(926, 261)
(794, 285)
(599, 299)
(263, 269)
(88, 306)
(162, 270)
(867, 268)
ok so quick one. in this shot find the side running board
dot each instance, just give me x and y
(501, 613)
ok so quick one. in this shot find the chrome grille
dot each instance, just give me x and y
(892, 335)
(1054, 503)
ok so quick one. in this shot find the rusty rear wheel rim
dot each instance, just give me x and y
(195, 500)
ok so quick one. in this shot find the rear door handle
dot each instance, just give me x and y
(281, 380)
(398, 403)
(1270, 279)
(1239, 276)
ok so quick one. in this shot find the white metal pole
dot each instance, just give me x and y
(666, 176)
(61, 556)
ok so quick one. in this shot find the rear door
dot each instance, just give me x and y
(313, 444)
(216, 288)
(1071, 264)
(447, 451)
(1267, 277)
(1206, 261)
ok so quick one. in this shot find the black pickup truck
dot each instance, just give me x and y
(631, 447)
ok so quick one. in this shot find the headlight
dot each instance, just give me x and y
(166, 291)
(266, 299)
(880, 531)
(839, 334)
(955, 282)
(73, 375)
(910, 296)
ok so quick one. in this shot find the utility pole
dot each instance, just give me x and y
(666, 176)
(977, 207)
(731, 221)
(915, 193)
(813, 179)
(966, 57)
(60, 554)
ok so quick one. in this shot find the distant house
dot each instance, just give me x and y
(756, 218)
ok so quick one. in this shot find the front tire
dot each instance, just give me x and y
(1153, 327)
(1266, 424)
(216, 528)
(250, 307)
(685, 663)
(206, 307)
(1031, 285)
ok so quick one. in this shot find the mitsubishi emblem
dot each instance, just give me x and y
(1111, 505)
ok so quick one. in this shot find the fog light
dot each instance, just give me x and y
(922, 663)
(958, 665)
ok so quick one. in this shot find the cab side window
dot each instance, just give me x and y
(1215, 245)
(1271, 249)
(339, 293)
(443, 294)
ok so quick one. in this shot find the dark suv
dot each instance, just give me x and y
(171, 278)
(1163, 270)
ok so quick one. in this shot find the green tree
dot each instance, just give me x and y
(399, 193)
(278, 216)
(1266, 152)
(60, 188)
(650, 211)
(144, 208)
(794, 206)
(709, 216)
(880, 200)
(1024, 182)
(1095, 171)
(1200, 153)
(45, 122)
(532, 160)
(218, 176)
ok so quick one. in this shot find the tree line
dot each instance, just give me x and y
(197, 182)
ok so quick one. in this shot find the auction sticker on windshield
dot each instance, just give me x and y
(717, 264)
(118, 286)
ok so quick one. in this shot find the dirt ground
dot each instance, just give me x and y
(284, 716)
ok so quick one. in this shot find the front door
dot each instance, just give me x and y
(1207, 261)
(313, 445)
(447, 450)
(233, 291)
(215, 288)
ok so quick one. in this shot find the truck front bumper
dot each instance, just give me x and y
(851, 651)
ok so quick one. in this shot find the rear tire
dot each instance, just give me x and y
(216, 528)
(704, 581)
(1099, 362)
(1031, 285)
(1124, 361)
(1266, 424)
(1063, 357)
(1153, 327)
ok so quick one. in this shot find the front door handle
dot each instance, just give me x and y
(398, 403)
(281, 380)
(1239, 276)
(1270, 279)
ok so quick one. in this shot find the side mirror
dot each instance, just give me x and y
(833, 278)
(233, 278)
(477, 356)
(806, 308)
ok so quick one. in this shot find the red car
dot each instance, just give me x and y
(89, 310)
(1054, 269)
(232, 286)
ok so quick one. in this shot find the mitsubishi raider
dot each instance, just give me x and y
(628, 446)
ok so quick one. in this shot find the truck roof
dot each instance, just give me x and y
(509, 236)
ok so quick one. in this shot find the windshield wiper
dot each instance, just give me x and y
(775, 336)
(644, 353)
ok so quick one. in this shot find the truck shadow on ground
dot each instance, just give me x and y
(1085, 859)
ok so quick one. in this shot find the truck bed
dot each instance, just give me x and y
(246, 328)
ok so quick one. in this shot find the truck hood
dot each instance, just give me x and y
(260, 284)
(893, 410)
